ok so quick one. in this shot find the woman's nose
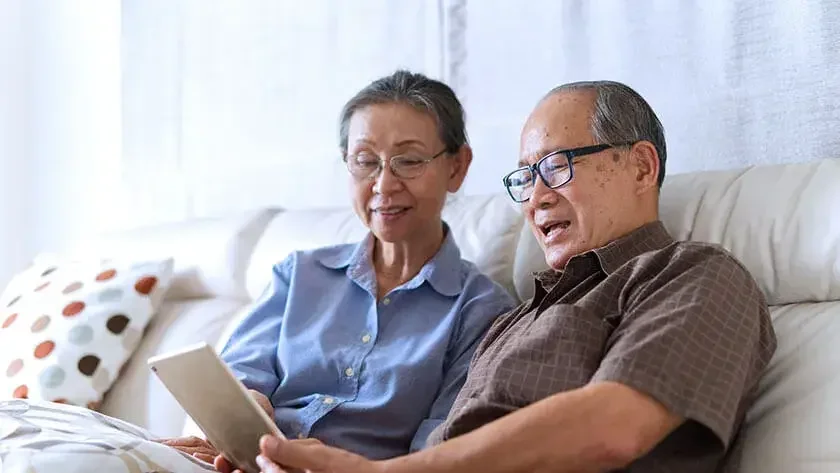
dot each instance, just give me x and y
(386, 182)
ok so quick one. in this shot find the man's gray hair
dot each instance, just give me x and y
(418, 91)
(622, 116)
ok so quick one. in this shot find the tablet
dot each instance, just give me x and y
(221, 406)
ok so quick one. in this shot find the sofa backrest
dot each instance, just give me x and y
(782, 222)
(486, 228)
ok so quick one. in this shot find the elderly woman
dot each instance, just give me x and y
(365, 346)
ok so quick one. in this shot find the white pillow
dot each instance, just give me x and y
(67, 327)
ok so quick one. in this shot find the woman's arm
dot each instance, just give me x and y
(251, 351)
(478, 314)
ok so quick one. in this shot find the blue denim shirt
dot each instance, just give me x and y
(371, 377)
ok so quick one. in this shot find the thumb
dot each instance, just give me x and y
(305, 455)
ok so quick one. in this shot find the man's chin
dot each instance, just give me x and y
(557, 260)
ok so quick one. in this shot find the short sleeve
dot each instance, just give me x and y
(696, 339)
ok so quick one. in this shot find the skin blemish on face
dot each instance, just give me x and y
(616, 157)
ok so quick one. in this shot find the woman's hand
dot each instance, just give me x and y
(264, 402)
(197, 447)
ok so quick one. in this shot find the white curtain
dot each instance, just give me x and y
(14, 172)
(232, 105)
(60, 124)
(736, 83)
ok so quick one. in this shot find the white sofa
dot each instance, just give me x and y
(782, 222)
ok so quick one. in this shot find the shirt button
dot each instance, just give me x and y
(329, 400)
(348, 372)
(365, 338)
(386, 301)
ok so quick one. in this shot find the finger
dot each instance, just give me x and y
(267, 466)
(222, 464)
(200, 450)
(183, 442)
(205, 457)
(307, 456)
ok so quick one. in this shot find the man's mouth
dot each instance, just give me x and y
(554, 228)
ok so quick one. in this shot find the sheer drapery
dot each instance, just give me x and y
(232, 105)
(59, 125)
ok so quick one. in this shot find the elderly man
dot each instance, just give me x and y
(637, 353)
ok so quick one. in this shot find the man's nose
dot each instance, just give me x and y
(386, 182)
(542, 195)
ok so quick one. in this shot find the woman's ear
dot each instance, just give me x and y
(460, 165)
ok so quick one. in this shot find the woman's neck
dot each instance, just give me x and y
(396, 263)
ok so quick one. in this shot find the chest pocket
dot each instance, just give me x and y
(557, 351)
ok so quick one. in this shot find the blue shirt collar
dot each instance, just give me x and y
(443, 271)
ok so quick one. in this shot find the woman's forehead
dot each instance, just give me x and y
(392, 125)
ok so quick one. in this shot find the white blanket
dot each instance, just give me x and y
(41, 437)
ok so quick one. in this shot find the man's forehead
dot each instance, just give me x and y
(559, 121)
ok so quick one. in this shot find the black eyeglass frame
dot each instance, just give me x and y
(570, 154)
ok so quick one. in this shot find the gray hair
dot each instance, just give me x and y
(424, 94)
(622, 116)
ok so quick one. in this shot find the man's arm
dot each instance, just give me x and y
(600, 427)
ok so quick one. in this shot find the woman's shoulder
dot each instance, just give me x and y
(333, 256)
(477, 284)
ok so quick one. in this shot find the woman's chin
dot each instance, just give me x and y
(389, 233)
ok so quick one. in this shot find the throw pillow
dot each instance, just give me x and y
(66, 328)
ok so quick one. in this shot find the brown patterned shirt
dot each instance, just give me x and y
(683, 322)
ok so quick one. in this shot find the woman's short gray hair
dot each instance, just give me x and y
(622, 116)
(424, 94)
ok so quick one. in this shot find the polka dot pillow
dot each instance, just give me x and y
(67, 328)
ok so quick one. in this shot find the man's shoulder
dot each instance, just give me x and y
(705, 270)
(695, 256)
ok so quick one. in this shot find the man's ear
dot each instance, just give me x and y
(460, 165)
(645, 161)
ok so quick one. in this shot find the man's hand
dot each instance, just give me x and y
(311, 456)
(199, 448)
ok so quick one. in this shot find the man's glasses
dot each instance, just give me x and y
(368, 166)
(555, 169)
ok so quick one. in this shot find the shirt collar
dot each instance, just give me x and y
(649, 237)
(443, 271)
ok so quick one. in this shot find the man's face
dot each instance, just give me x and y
(599, 204)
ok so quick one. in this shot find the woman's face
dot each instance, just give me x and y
(397, 209)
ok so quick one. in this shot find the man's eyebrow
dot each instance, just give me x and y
(539, 155)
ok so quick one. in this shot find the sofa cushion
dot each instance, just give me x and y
(138, 396)
(793, 424)
(211, 254)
